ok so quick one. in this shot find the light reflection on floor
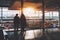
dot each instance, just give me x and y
(31, 34)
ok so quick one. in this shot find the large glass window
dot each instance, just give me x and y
(6, 16)
(32, 12)
(44, 22)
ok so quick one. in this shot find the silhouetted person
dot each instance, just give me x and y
(16, 25)
(1, 35)
(23, 25)
(16, 22)
(23, 22)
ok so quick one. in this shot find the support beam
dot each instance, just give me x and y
(59, 17)
(43, 16)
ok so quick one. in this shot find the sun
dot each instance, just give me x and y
(29, 11)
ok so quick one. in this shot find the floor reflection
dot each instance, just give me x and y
(33, 34)
(37, 34)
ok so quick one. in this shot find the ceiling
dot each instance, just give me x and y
(48, 4)
(53, 4)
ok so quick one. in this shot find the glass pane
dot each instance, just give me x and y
(32, 12)
(51, 17)
(42, 20)
(7, 17)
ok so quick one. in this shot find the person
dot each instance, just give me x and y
(16, 25)
(16, 22)
(23, 24)
(1, 35)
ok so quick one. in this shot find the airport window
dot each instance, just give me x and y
(41, 17)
